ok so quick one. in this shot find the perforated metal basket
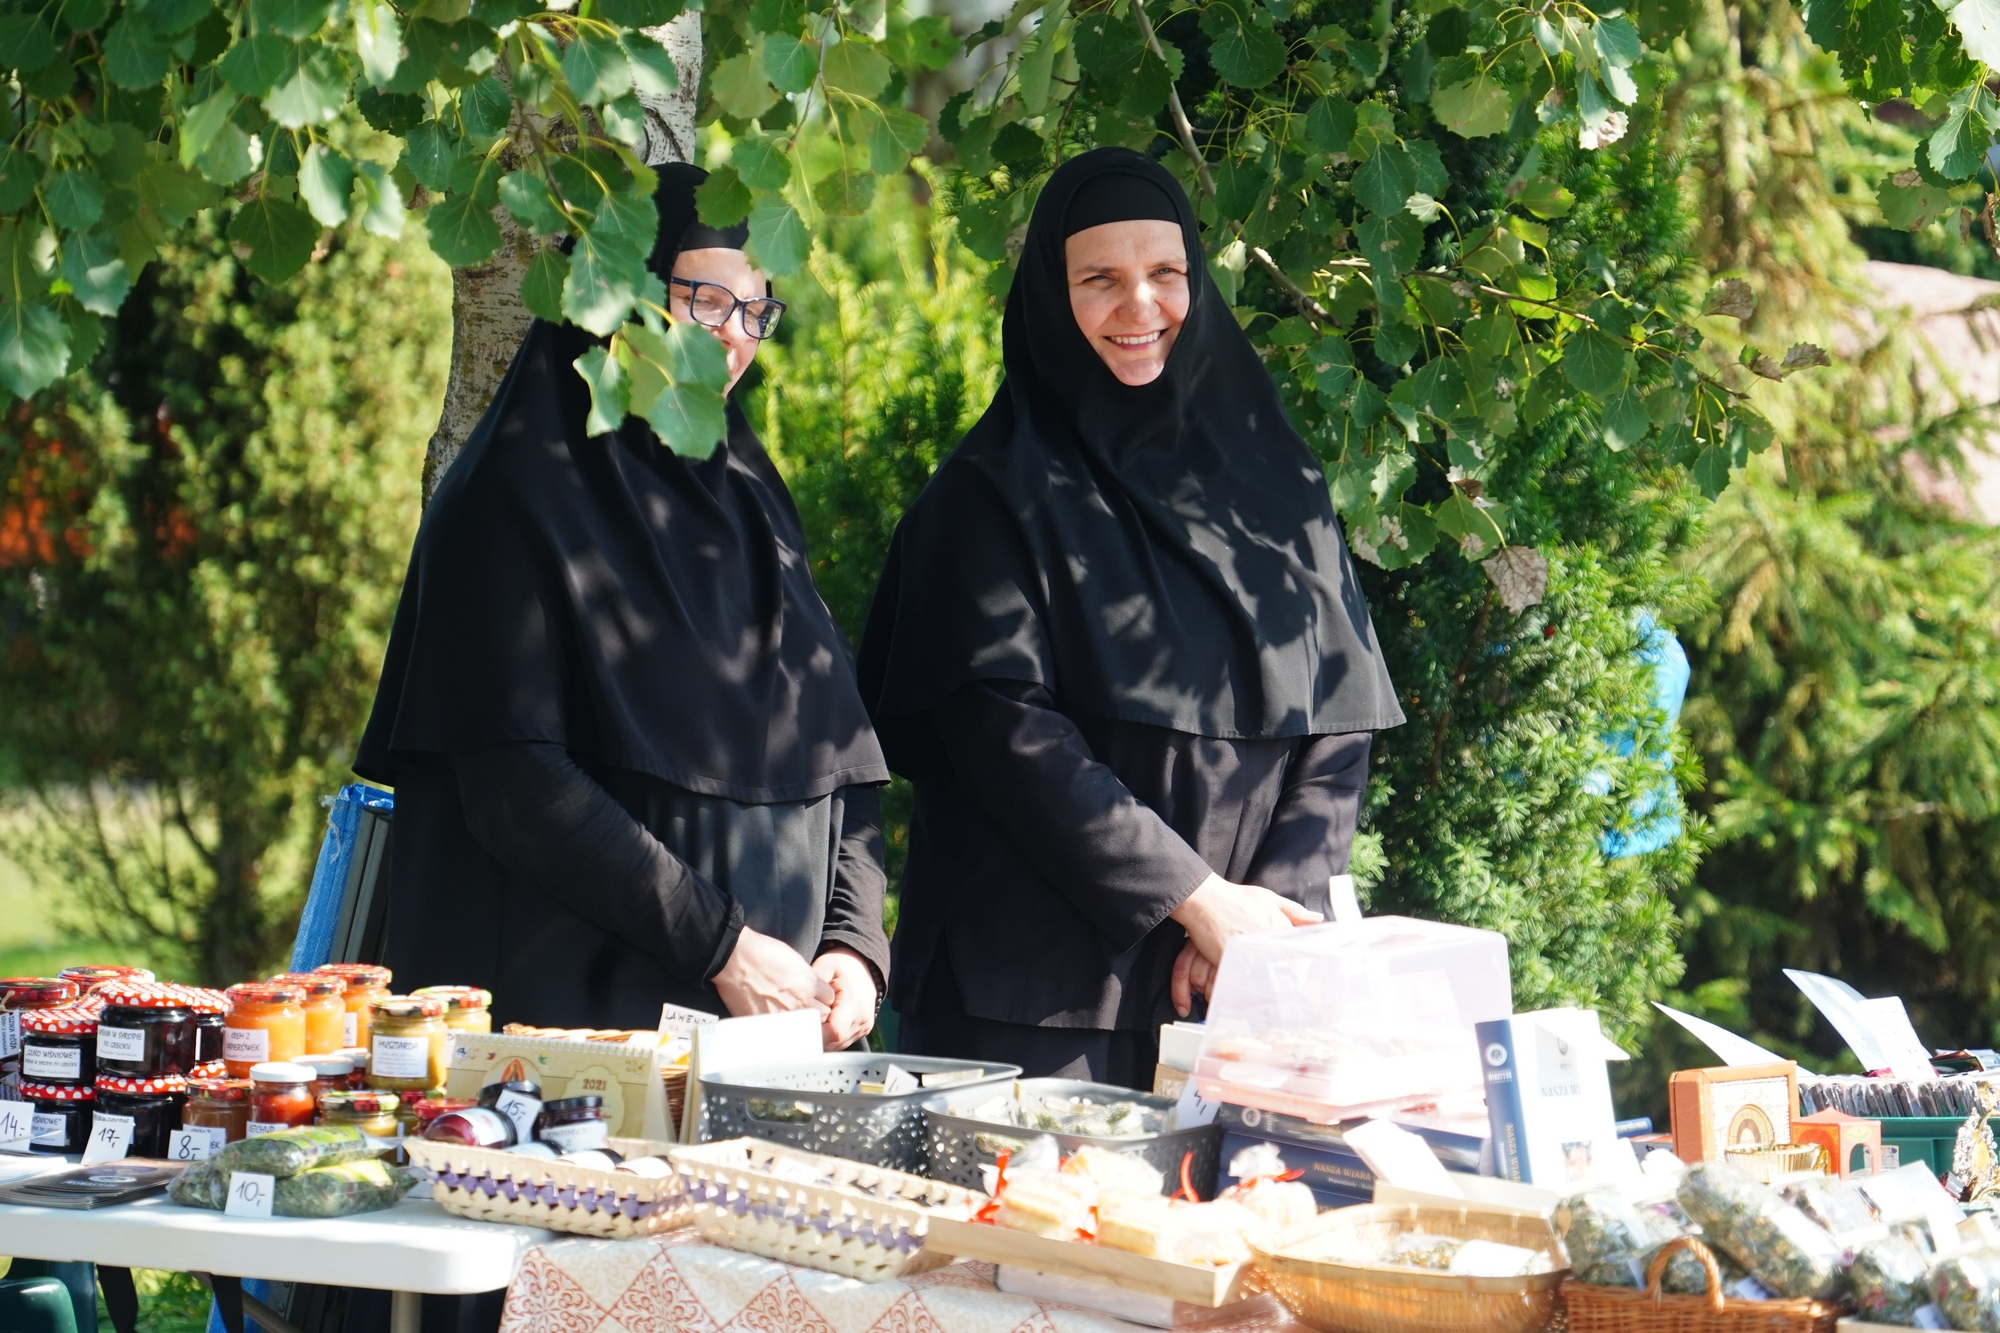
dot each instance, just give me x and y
(817, 1105)
(960, 1145)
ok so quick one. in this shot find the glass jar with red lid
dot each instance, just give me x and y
(326, 1009)
(209, 1007)
(218, 1104)
(280, 1098)
(365, 983)
(18, 993)
(331, 1073)
(422, 1111)
(146, 1030)
(61, 1116)
(266, 1023)
(59, 1046)
(474, 1126)
(152, 1104)
(96, 974)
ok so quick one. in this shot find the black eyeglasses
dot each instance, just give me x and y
(712, 304)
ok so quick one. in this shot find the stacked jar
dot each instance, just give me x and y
(266, 1023)
(409, 1046)
(366, 983)
(59, 1047)
(219, 1105)
(280, 1098)
(466, 1008)
(146, 1030)
(211, 1009)
(61, 1116)
(153, 1105)
(18, 994)
(88, 977)
(325, 1005)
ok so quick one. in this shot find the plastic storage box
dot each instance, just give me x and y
(960, 1145)
(1347, 1019)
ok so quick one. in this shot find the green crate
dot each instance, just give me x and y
(1925, 1138)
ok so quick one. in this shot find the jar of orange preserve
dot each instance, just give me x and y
(326, 1009)
(266, 1022)
(365, 984)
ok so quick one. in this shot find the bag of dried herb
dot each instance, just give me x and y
(1967, 1288)
(1887, 1279)
(1787, 1252)
(1611, 1239)
(1840, 1207)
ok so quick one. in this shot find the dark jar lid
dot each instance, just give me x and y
(492, 1092)
(564, 1104)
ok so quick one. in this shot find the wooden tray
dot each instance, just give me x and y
(1189, 1283)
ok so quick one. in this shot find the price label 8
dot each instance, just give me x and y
(194, 1145)
(250, 1194)
(110, 1138)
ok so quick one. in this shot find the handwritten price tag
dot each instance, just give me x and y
(250, 1195)
(110, 1139)
(522, 1110)
(194, 1145)
(1193, 1110)
(17, 1126)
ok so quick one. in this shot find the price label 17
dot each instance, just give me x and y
(110, 1138)
(250, 1194)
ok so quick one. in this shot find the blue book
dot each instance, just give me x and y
(1501, 1064)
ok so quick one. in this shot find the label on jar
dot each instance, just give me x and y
(42, 1064)
(246, 1045)
(257, 1128)
(10, 1035)
(401, 1057)
(350, 1030)
(582, 1136)
(51, 1131)
(121, 1044)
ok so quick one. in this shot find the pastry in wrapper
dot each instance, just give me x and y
(1966, 1288)
(1277, 1203)
(1114, 1170)
(1787, 1252)
(1887, 1279)
(1047, 1203)
(1211, 1234)
(1140, 1223)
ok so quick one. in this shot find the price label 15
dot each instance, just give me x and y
(17, 1126)
(522, 1110)
(250, 1194)
(110, 1138)
(194, 1145)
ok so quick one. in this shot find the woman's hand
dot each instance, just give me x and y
(853, 1011)
(1193, 975)
(1217, 911)
(767, 976)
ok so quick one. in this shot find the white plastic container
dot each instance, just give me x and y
(1346, 1019)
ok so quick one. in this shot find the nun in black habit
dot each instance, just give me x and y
(1120, 652)
(631, 764)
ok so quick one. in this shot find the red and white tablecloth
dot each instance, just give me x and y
(678, 1283)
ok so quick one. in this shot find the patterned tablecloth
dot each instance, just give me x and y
(678, 1283)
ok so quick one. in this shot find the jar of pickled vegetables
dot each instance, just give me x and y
(146, 1030)
(366, 983)
(218, 1104)
(410, 1046)
(466, 1008)
(280, 1098)
(374, 1113)
(266, 1022)
(326, 1009)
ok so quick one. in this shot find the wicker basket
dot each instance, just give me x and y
(490, 1186)
(866, 1222)
(1380, 1298)
(1595, 1309)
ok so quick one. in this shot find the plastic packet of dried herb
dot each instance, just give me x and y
(1840, 1207)
(1967, 1288)
(1611, 1239)
(1787, 1252)
(1887, 1279)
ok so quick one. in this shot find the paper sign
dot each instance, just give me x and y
(17, 1126)
(251, 1194)
(1841, 1004)
(110, 1138)
(1903, 1052)
(1728, 1047)
(898, 1081)
(194, 1145)
(731, 1043)
(1913, 1194)
(1340, 891)
(1401, 1158)
(10, 1034)
(521, 1109)
(1193, 1110)
(678, 1022)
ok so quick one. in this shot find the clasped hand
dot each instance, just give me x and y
(765, 975)
(1212, 915)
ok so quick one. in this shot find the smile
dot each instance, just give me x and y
(1135, 339)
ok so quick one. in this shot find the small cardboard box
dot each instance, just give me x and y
(628, 1077)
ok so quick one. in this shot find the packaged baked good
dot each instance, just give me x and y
(1277, 1203)
(1137, 1222)
(1787, 1252)
(1047, 1203)
(1887, 1280)
(1966, 1288)
(1113, 1170)
(1213, 1234)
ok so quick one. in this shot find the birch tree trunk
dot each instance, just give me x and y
(488, 321)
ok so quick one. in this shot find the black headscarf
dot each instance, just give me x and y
(648, 611)
(1166, 554)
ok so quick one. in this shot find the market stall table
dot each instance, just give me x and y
(413, 1249)
(679, 1283)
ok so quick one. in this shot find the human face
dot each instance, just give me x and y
(1128, 288)
(725, 268)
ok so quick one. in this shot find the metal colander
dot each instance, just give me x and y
(960, 1145)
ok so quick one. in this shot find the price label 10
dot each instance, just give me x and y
(250, 1194)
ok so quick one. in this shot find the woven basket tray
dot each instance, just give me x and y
(1594, 1309)
(865, 1222)
(490, 1186)
(1378, 1298)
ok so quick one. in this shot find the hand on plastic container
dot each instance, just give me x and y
(1218, 910)
(853, 1012)
(1193, 975)
(767, 976)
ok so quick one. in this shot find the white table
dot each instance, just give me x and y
(409, 1250)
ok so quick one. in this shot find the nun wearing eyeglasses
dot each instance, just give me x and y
(631, 763)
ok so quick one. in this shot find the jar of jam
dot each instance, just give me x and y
(145, 1031)
(331, 1073)
(59, 1046)
(62, 1116)
(373, 1112)
(153, 1105)
(423, 1110)
(466, 1008)
(17, 994)
(574, 1124)
(358, 1080)
(266, 1023)
(366, 983)
(280, 1098)
(209, 1008)
(326, 1009)
(410, 1046)
(473, 1126)
(520, 1100)
(219, 1104)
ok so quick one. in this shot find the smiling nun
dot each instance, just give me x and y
(1120, 652)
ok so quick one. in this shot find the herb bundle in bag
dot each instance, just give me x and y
(1611, 1240)
(290, 1151)
(1787, 1252)
(362, 1186)
(1888, 1280)
(1966, 1288)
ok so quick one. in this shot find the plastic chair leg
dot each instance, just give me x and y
(80, 1276)
(36, 1305)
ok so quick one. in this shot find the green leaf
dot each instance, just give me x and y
(391, 113)
(595, 68)
(25, 44)
(1596, 363)
(779, 241)
(1625, 422)
(653, 71)
(431, 151)
(94, 272)
(462, 232)
(636, 14)
(1618, 42)
(1909, 202)
(631, 218)
(75, 199)
(132, 58)
(1037, 63)
(326, 179)
(1382, 184)
(254, 65)
(723, 200)
(606, 275)
(1958, 146)
(293, 18)
(1544, 198)
(164, 18)
(1243, 53)
(845, 193)
(856, 67)
(1711, 471)
(526, 195)
(761, 163)
(1476, 108)
(1333, 367)
(624, 119)
(20, 171)
(382, 204)
(893, 137)
(790, 63)
(610, 395)
(1330, 124)
(280, 236)
(542, 284)
(311, 91)
(485, 108)
(202, 124)
(378, 39)
(929, 43)
(677, 386)
(739, 87)
(172, 195)
(34, 347)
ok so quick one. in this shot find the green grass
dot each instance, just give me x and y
(33, 941)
